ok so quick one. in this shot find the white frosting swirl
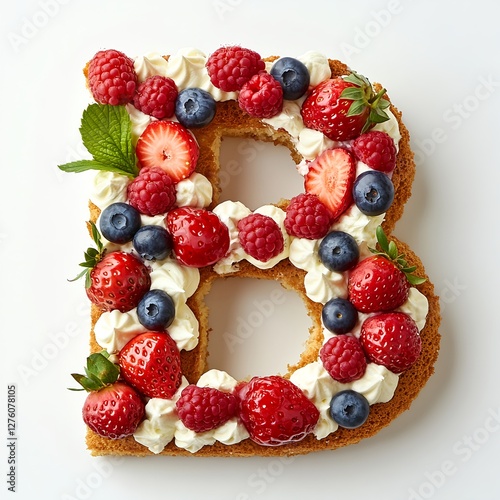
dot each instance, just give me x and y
(114, 329)
(195, 191)
(317, 65)
(107, 188)
(150, 65)
(319, 387)
(416, 306)
(289, 119)
(158, 427)
(139, 121)
(390, 127)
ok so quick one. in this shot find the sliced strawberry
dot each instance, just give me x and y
(168, 145)
(331, 177)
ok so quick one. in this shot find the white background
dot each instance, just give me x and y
(440, 63)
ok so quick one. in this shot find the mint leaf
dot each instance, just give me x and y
(82, 165)
(107, 134)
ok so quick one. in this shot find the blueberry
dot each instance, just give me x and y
(194, 107)
(339, 316)
(156, 310)
(119, 222)
(153, 242)
(338, 251)
(349, 409)
(292, 75)
(373, 192)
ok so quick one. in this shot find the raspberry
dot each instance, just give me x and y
(230, 67)
(204, 408)
(260, 237)
(152, 192)
(261, 96)
(156, 97)
(307, 217)
(275, 411)
(343, 358)
(377, 150)
(112, 78)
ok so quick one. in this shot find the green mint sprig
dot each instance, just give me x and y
(107, 134)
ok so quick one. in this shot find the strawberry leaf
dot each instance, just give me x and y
(99, 373)
(389, 250)
(107, 134)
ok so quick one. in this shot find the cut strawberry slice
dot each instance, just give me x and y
(331, 177)
(170, 146)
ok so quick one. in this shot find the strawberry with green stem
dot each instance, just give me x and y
(382, 281)
(112, 408)
(114, 280)
(344, 107)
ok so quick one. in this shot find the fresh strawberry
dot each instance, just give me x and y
(115, 280)
(331, 177)
(112, 409)
(168, 145)
(275, 411)
(382, 281)
(151, 363)
(344, 107)
(200, 238)
(391, 340)
(202, 409)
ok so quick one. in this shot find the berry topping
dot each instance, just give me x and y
(261, 96)
(115, 280)
(344, 107)
(151, 363)
(275, 411)
(202, 409)
(377, 150)
(156, 97)
(339, 316)
(382, 281)
(230, 68)
(118, 281)
(331, 177)
(349, 409)
(376, 284)
(153, 243)
(200, 238)
(338, 251)
(373, 192)
(119, 222)
(343, 358)
(112, 409)
(152, 192)
(170, 146)
(156, 310)
(260, 237)
(292, 75)
(307, 217)
(195, 107)
(391, 340)
(112, 78)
